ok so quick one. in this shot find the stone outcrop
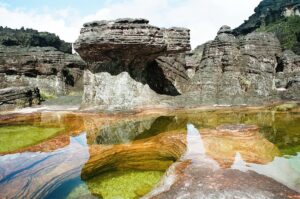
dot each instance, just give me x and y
(18, 97)
(288, 76)
(54, 72)
(137, 65)
(236, 70)
(39, 59)
(127, 48)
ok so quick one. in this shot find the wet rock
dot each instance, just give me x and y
(199, 176)
(197, 181)
(19, 97)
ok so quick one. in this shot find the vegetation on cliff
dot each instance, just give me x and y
(287, 30)
(30, 37)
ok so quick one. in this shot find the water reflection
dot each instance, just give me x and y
(35, 175)
(128, 149)
(285, 170)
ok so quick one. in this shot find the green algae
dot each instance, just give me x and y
(124, 184)
(16, 137)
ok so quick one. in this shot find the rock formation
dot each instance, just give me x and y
(38, 59)
(124, 52)
(19, 97)
(52, 71)
(237, 70)
(132, 64)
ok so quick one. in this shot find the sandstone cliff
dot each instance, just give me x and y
(133, 64)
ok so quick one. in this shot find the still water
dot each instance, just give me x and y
(89, 155)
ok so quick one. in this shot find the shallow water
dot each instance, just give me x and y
(87, 155)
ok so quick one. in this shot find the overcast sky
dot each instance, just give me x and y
(65, 17)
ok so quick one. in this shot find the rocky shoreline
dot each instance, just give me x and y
(127, 64)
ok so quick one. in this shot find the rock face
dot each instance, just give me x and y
(288, 76)
(243, 70)
(18, 97)
(53, 71)
(31, 58)
(130, 46)
(133, 64)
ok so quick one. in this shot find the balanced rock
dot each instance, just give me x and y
(126, 50)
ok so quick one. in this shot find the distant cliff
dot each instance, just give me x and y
(281, 17)
(29, 37)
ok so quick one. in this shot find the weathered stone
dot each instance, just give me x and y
(130, 46)
(288, 76)
(53, 71)
(236, 70)
(18, 97)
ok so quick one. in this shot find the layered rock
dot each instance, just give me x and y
(39, 59)
(130, 46)
(54, 72)
(236, 70)
(288, 76)
(19, 97)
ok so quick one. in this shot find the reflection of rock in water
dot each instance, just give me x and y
(127, 131)
(202, 178)
(35, 175)
(154, 153)
(283, 169)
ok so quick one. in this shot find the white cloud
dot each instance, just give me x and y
(203, 17)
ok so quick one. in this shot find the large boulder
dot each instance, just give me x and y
(128, 48)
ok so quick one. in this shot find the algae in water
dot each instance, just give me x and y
(124, 184)
(15, 137)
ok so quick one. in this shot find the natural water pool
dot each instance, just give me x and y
(86, 155)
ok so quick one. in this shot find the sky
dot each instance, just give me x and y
(66, 17)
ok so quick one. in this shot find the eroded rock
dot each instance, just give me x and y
(129, 46)
(19, 97)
